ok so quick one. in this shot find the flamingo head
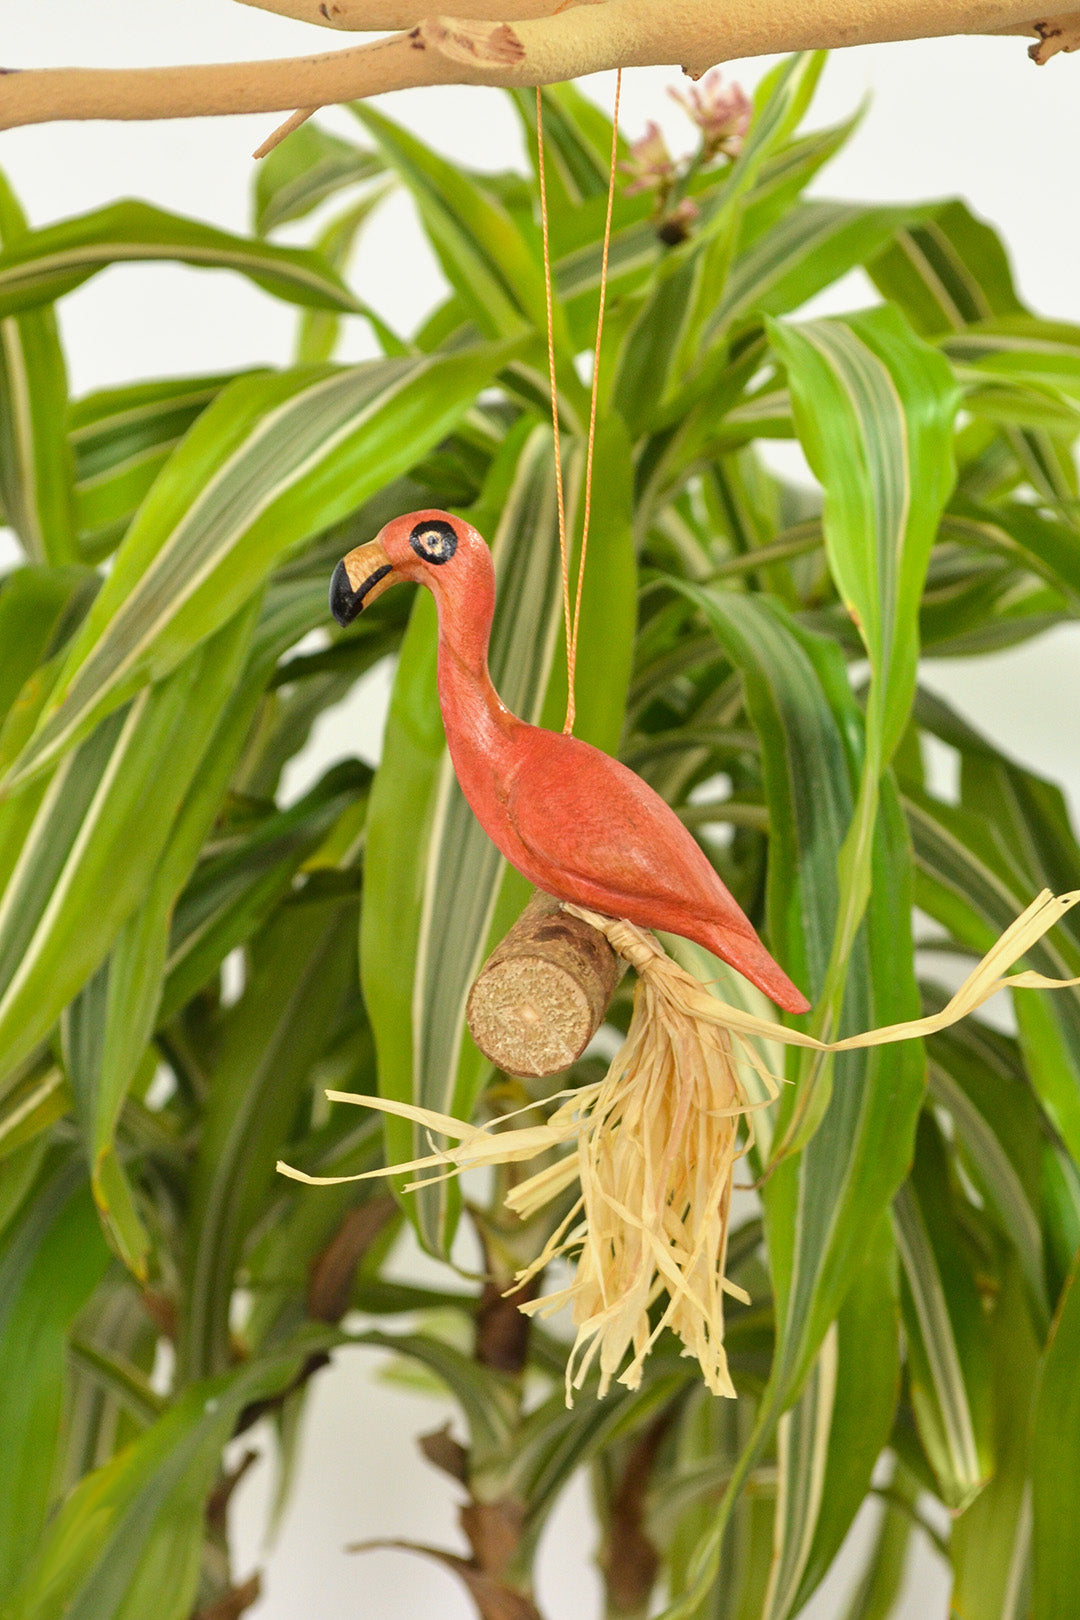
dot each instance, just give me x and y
(430, 548)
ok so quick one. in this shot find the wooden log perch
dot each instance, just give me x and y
(534, 42)
(542, 994)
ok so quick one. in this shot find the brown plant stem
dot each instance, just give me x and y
(524, 50)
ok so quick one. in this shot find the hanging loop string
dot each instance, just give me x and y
(573, 621)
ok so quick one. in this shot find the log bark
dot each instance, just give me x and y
(542, 994)
(520, 48)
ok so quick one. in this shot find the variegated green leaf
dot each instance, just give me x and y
(52, 1261)
(809, 247)
(305, 169)
(973, 885)
(274, 460)
(990, 1544)
(88, 849)
(832, 1438)
(874, 410)
(36, 471)
(1055, 1471)
(947, 271)
(821, 1201)
(122, 438)
(129, 1540)
(303, 969)
(45, 264)
(480, 246)
(947, 1348)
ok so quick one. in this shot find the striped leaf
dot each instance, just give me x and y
(830, 1441)
(39, 1097)
(948, 1352)
(302, 970)
(663, 343)
(305, 169)
(990, 1543)
(874, 409)
(947, 271)
(45, 264)
(274, 460)
(480, 246)
(802, 1443)
(577, 145)
(319, 329)
(808, 248)
(977, 1075)
(128, 1542)
(975, 884)
(1021, 349)
(88, 849)
(822, 1200)
(438, 899)
(36, 473)
(122, 438)
(1055, 1473)
(237, 886)
(52, 1261)
(37, 604)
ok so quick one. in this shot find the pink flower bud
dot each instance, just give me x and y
(722, 113)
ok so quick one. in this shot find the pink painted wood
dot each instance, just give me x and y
(574, 821)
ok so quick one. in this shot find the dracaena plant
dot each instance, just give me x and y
(914, 1318)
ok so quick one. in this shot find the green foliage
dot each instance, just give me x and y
(180, 978)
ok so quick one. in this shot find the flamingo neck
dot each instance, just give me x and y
(476, 719)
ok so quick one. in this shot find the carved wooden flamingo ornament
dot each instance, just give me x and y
(574, 821)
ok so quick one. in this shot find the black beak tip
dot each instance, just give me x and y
(345, 603)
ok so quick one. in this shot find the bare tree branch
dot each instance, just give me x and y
(372, 16)
(529, 50)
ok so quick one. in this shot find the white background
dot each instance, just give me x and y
(971, 117)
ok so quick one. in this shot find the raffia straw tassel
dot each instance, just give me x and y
(656, 1143)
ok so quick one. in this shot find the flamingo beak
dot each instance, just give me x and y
(358, 579)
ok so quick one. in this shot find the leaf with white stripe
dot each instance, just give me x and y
(830, 1441)
(122, 438)
(948, 1353)
(976, 1074)
(874, 408)
(990, 1543)
(45, 264)
(274, 460)
(52, 1261)
(305, 169)
(975, 886)
(946, 271)
(809, 247)
(36, 474)
(822, 1201)
(85, 847)
(1056, 1464)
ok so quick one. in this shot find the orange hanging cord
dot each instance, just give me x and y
(573, 620)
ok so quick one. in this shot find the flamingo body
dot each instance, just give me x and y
(574, 821)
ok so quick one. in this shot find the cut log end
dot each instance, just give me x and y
(543, 992)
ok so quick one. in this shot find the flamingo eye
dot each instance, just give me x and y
(434, 541)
